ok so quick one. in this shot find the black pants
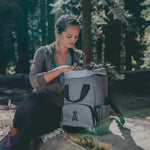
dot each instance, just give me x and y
(35, 116)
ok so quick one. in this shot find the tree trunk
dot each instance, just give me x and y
(99, 43)
(43, 21)
(51, 21)
(116, 46)
(8, 13)
(86, 30)
(108, 38)
(33, 34)
(128, 46)
(113, 44)
(78, 44)
(22, 40)
(2, 62)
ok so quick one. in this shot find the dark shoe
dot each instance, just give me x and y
(10, 139)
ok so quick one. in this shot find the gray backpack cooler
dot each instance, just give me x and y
(85, 96)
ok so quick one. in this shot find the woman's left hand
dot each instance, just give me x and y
(76, 67)
(67, 68)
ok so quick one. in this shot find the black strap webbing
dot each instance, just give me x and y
(84, 92)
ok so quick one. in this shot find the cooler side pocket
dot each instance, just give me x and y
(102, 112)
(105, 112)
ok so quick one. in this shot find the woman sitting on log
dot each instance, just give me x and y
(40, 111)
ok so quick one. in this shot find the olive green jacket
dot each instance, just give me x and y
(43, 62)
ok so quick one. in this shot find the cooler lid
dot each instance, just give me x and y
(84, 73)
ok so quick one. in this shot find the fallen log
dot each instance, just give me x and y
(135, 81)
(54, 140)
(60, 140)
(17, 80)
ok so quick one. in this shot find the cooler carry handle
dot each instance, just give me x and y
(84, 92)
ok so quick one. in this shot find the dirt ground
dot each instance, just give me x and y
(135, 108)
(9, 100)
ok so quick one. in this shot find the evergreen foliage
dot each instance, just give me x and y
(120, 31)
(9, 11)
(146, 40)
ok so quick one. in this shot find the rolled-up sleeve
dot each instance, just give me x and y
(36, 75)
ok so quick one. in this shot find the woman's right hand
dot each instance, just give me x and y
(50, 75)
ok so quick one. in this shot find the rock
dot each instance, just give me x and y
(56, 142)
(134, 135)
(59, 140)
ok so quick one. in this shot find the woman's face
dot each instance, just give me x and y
(69, 37)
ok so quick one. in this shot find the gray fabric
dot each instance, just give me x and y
(75, 116)
(43, 62)
(95, 99)
(84, 73)
(75, 87)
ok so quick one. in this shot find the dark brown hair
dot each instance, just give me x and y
(63, 21)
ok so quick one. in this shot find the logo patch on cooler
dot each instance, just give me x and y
(74, 117)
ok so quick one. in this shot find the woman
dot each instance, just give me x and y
(40, 112)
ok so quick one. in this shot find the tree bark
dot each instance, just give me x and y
(8, 14)
(51, 22)
(99, 43)
(86, 29)
(128, 44)
(2, 62)
(113, 44)
(43, 21)
(22, 40)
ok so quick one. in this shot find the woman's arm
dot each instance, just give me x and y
(38, 76)
(50, 75)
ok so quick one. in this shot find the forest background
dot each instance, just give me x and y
(115, 33)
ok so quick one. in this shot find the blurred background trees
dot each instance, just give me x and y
(115, 32)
